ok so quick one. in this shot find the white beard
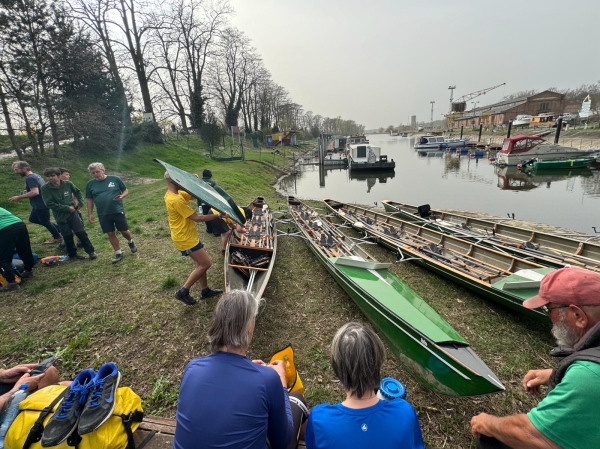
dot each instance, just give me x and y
(564, 335)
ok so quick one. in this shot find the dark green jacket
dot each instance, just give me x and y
(60, 198)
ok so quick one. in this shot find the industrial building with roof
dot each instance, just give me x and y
(547, 103)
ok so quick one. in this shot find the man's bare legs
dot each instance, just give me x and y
(203, 263)
(224, 239)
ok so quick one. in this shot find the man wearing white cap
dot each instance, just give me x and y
(567, 416)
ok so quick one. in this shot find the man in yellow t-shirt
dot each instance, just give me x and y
(182, 221)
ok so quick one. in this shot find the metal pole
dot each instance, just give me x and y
(509, 128)
(432, 103)
(558, 128)
(462, 128)
(480, 129)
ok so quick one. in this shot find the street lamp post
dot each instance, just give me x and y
(474, 103)
(432, 103)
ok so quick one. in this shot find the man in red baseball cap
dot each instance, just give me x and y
(566, 417)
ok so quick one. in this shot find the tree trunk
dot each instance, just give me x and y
(9, 128)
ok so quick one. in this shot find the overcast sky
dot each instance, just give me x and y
(379, 61)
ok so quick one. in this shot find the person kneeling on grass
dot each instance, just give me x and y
(58, 196)
(229, 401)
(182, 222)
(14, 237)
(107, 193)
(362, 420)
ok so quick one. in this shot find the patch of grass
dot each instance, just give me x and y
(150, 219)
(169, 282)
(38, 287)
(163, 395)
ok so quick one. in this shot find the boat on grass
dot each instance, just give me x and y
(249, 257)
(428, 347)
(501, 277)
(543, 248)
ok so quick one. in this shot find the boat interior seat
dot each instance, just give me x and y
(424, 211)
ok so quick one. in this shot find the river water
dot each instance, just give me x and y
(566, 198)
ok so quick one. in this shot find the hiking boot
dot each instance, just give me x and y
(65, 418)
(132, 247)
(77, 257)
(11, 286)
(101, 399)
(118, 258)
(26, 274)
(52, 241)
(208, 292)
(186, 298)
(93, 255)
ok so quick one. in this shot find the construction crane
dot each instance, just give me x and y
(461, 103)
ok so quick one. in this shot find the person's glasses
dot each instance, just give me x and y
(548, 310)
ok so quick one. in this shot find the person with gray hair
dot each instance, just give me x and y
(362, 420)
(227, 400)
(106, 192)
(40, 213)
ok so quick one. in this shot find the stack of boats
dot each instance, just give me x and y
(501, 262)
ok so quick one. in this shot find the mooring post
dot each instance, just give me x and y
(509, 128)
(480, 129)
(558, 128)
(462, 127)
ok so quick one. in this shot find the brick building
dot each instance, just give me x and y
(546, 102)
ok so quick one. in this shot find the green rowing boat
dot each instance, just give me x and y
(547, 249)
(566, 164)
(498, 276)
(428, 347)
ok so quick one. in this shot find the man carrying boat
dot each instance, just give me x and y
(565, 417)
(182, 222)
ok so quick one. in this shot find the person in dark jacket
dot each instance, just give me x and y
(58, 196)
(207, 178)
(14, 237)
(565, 417)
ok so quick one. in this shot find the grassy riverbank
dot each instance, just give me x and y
(91, 312)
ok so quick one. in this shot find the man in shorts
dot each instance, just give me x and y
(107, 193)
(59, 197)
(182, 222)
(40, 214)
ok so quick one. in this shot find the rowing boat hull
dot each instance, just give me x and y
(234, 278)
(449, 368)
(553, 251)
(503, 263)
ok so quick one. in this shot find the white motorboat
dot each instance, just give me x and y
(436, 143)
(519, 148)
(522, 120)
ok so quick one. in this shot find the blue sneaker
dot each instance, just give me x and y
(65, 418)
(101, 400)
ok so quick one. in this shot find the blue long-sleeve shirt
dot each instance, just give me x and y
(226, 401)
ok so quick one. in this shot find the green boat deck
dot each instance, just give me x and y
(522, 278)
(402, 301)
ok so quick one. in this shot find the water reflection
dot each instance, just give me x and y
(510, 178)
(372, 177)
(569, 199)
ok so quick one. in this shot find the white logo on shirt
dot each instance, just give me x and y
(65, 193)
(112, 184)
(364, 427)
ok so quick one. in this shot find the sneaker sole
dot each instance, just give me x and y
(64, 439)
(114, 403)
(114, 261)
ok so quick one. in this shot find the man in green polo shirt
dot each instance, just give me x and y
(106, 192)
(64, 200)
(567, 416)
